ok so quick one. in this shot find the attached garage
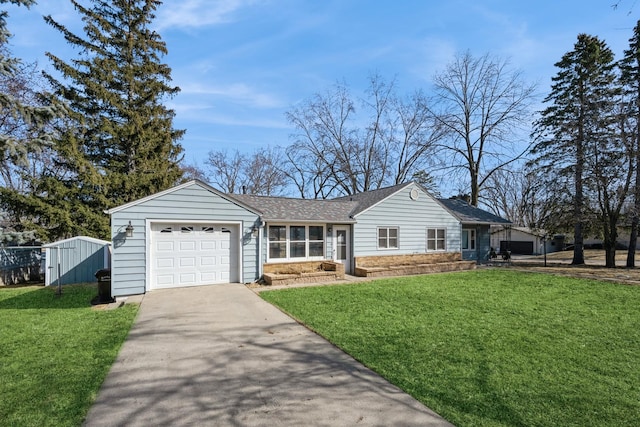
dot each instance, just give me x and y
(188, 235)
(192, 254)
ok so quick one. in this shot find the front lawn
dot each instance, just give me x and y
(490, 347)
(54, 353)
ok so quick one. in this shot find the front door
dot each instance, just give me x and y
(341, 251)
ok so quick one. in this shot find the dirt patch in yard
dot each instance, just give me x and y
(560, 263)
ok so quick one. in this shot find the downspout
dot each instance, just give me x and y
(259, 243)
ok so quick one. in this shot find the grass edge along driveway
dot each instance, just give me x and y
(490, 347)
(55, 353)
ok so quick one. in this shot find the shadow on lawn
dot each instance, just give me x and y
(73, 296)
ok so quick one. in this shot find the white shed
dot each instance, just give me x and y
(75, 260)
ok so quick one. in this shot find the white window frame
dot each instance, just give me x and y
(469, 238)
(288, 241)
(387, 238)
(437, 239)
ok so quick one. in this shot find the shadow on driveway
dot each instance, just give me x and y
(219, 355)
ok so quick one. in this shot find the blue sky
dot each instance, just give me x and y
(241, 64)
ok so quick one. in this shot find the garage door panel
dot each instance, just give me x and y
(164, 262)
(188, 246)
(207, 245)
(164, 246)
(188, 254)
(165, 279)
(207, 261)
(187, 262)
(208, 277)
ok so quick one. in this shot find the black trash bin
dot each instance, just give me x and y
(104, 287)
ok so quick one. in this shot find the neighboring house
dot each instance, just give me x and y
(525, 241)
(193, 234)
(476, 225)
(75, 260)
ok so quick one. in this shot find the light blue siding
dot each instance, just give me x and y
(411, 217)
(75, 260)
(189, 203)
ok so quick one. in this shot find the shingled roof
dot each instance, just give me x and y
(471, 214)
(307, 210)
(368, 199)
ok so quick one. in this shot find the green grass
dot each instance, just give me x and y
(54, 353)
(491, 347)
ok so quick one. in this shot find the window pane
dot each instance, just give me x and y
(382, 233)
(440, 244)
(316, 232)
(431, 233)
(277, 233)
(297, 250)
(465, 239)
(440, 233)
(393, 242)
(277, 250)
(382, 243)
(316, 249)
(431, 245)
(297, 232)
(393, 232)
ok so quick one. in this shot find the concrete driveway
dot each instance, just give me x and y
(220, 356)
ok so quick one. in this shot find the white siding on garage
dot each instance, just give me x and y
(188, 203)
(411, 217)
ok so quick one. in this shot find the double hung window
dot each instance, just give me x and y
(436, 239)
(387, 237)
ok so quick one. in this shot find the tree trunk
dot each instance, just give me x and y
(610, 256)
(633, 241)
(578, 248)
(578, 245)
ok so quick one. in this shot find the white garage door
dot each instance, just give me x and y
(190, 254)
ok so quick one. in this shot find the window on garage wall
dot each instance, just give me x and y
(296, 242)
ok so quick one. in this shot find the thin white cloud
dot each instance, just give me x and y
(203, 113)
(239, 93)
(435, 54)
(197, 13)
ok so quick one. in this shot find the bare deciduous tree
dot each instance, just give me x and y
(516, 195)
(256, 173)
(339, 152)
(484, 107)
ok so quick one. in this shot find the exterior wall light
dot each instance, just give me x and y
(129, 230)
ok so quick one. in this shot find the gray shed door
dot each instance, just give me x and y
(189, 255)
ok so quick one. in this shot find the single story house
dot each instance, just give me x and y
(193, 234)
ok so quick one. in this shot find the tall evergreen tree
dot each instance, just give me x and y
(23, 122)
(576, 122)
(13, 144)
(118, 142)
(630, 79)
